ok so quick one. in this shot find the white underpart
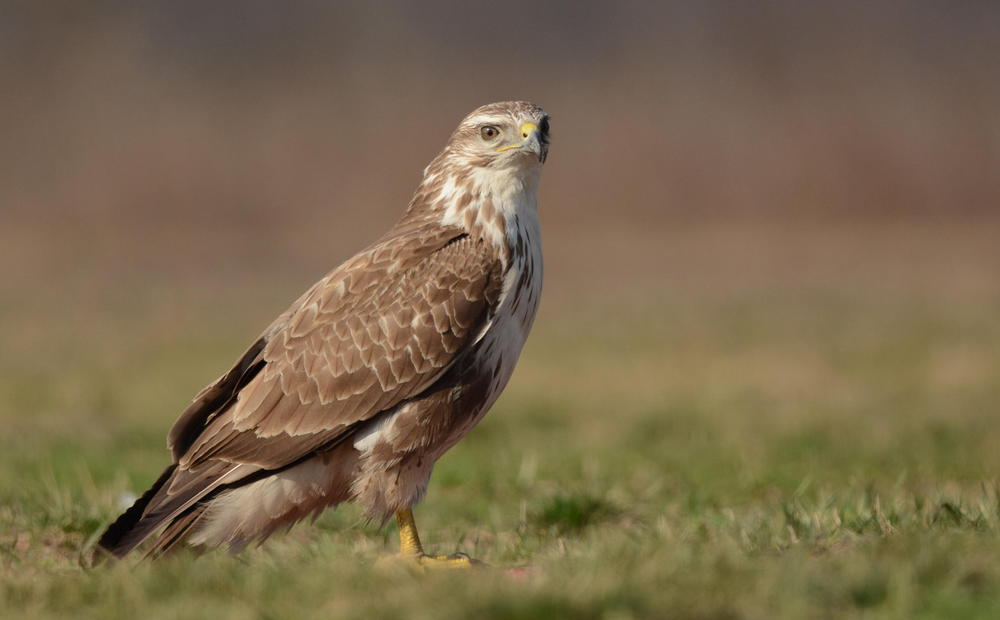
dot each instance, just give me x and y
(366, 439)
(516, 198)
(507, 332)
(238, 515)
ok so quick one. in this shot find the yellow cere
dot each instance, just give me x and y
(526, 130)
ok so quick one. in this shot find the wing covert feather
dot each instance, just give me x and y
(376, 331)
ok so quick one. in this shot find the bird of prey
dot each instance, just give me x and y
(356, 390)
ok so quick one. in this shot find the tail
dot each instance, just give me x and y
(173, 499)
(129, 529)
(178, 530)
(227, 503)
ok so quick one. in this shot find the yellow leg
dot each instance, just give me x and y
(411, 550)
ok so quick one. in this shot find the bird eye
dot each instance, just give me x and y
(489, 132)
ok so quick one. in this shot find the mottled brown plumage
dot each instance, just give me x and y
(381, 366)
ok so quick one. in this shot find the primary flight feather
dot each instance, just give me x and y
(356, 390)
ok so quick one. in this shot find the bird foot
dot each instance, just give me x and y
(455, 560)
(424, 562)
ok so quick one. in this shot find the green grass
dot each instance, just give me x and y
(752, 456)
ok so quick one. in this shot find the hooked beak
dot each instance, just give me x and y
(532, 141)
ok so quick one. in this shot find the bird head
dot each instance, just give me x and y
(508, 134)
(490, 168)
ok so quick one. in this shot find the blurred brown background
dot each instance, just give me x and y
(161, 154)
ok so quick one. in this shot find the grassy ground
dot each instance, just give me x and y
(790, 452)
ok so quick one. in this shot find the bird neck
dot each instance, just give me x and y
(496, 205)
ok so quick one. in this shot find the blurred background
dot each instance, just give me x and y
(772, 233)
(707, 144)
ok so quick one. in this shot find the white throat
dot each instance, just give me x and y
(501, 204)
